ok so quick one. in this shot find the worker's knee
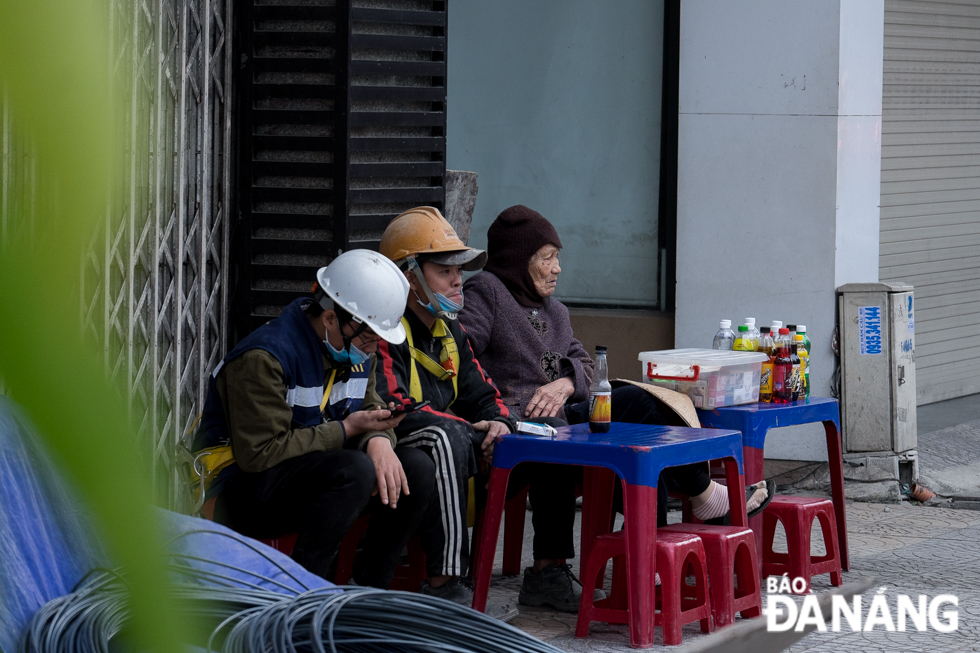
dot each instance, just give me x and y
(420, 471)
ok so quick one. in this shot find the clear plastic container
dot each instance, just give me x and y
(711, 378)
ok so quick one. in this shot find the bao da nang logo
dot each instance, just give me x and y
(861, 613)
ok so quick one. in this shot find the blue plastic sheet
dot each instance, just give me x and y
(48, 542)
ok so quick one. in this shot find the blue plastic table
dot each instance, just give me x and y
(637, 453)
(755, 420)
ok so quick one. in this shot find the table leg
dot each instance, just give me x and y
(598, 485)
(492, 513)
(640, 508)
(736, 493)
(836, 465)
(754, 459)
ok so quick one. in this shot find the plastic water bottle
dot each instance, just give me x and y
(600, 394)
(754, 333)
(725, 338)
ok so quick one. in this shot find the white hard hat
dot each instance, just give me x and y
(370, 287)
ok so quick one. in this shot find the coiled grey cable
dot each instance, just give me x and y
(247, 618)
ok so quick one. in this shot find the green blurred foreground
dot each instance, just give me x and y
(54, 68)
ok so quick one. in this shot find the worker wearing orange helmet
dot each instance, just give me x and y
(435, 364)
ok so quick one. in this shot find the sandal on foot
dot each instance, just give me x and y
(726, 520)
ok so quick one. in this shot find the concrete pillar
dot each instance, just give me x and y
(779, 167)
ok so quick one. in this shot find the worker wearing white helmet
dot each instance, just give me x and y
(311, 439)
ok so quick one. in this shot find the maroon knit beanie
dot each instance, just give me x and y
(513, 238)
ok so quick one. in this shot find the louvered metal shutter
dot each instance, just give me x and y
(342, 126)
(930, 185)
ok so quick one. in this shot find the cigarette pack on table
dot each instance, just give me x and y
(532, 428)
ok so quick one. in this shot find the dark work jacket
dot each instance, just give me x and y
(305, 368)
(478, 398)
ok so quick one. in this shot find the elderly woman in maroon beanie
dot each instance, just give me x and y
(523, 338)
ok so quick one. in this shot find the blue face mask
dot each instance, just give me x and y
(447, 305)
(353, 357)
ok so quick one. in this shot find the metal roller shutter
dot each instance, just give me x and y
(930, 185)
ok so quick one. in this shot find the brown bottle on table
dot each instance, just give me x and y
(600, 394)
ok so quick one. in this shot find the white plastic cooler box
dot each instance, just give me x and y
(712, 378)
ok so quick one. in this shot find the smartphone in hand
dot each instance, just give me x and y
(408, 408)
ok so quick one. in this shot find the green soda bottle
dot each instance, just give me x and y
(801, 330)
(743, 341)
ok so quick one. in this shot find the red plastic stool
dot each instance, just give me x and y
(797, 515)
(733, 569)
(678, 556)
(283, 544)
(408, 578)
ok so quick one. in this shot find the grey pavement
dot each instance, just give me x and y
(907, 548)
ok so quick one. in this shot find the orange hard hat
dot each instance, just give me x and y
(423, 231)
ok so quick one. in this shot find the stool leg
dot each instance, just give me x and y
(491, 528)
(722, 588)
(834, 455)
(748, 579)
(586, 607)
(830, 543)
(695, 568)
(798, 540)
(671, 578)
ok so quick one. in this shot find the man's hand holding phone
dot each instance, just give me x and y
(379, 419)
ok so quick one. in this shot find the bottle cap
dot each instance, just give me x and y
(777, 324)
(750, 321)
(801, 328)
(764, 330)
(600, 349)
(743, 328)
(726, 324)
(798, 337)
(791, 327)
(784, 332)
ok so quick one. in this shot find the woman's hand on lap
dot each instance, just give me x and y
(549, 398)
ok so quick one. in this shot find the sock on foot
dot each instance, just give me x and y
(716, 505)
(760, 495)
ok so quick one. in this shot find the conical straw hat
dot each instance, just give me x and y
(678, 405)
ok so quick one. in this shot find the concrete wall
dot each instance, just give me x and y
(778, 170)
(556, 105)
(625, 333)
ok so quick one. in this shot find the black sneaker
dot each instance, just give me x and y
(554, 586)
(458, 591)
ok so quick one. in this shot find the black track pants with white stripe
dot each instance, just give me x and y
(444, 535)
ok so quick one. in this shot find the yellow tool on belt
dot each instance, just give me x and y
(201, 468)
